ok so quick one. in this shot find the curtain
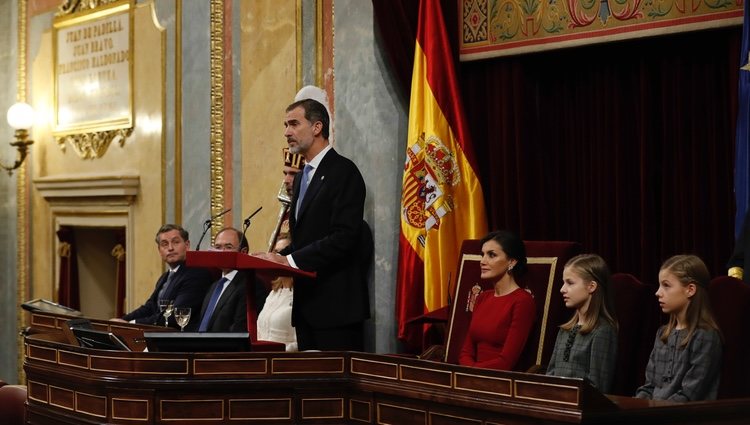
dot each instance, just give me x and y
(68, 287)
(118, 252)
(626, 147)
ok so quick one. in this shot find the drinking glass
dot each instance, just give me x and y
(182, 316)
(166, 307)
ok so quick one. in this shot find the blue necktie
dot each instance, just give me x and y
(303, 186)
(165, 287)
(212, 304)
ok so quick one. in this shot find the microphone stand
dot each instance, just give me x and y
(247, 222)
(207, 225)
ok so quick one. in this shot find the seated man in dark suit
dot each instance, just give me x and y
(184, 285)
(224, 306)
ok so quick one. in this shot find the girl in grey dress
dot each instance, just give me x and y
(586, 346)
(685, 362)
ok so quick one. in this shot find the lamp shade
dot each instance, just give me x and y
(21, 116)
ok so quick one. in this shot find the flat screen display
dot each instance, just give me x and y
(101, 340)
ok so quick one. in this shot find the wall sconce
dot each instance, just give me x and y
(21, 118)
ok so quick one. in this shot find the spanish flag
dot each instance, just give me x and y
(441, 201)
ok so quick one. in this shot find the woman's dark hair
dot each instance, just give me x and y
(513, 247)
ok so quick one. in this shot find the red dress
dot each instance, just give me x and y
(498, 330)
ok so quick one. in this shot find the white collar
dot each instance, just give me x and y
(315, 162)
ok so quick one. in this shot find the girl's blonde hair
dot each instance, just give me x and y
(691, 269)
(593, 268)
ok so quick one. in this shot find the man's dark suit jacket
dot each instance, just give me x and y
(230, 314)
(187, 289)
(326, 239)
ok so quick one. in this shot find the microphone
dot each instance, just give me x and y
(207, 225)
(247, 222)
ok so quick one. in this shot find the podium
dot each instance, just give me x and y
(240, 261)
(248, 263)
(71, 385)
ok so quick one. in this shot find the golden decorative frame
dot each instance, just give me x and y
(22, 224)
(217, 113)
(90, 140)
(177, 119)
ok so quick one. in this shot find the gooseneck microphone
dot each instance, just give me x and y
(207, 225)
(246, 223)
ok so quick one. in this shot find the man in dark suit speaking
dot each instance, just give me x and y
(325, 223)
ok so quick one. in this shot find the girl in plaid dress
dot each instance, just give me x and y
(685, 362)
(586, 346)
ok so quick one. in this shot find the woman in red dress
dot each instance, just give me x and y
(502, 318)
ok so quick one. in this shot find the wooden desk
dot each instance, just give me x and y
(74, 385)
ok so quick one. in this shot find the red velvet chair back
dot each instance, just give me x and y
(13, 404)
(730, 301)
(544, 277)
(638, 318)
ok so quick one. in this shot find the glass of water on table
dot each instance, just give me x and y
(182, 316)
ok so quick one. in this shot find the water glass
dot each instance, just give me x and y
(166, 307)
(182, 316)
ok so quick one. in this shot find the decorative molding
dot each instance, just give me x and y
(177, 185)
(74, 6)
(22, 247)
(78, 187)
(94, 145)
(298, 44)
(319, 71)
(494, 28)
(217, 113)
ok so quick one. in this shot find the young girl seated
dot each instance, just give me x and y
(586, 345)
(685, 362)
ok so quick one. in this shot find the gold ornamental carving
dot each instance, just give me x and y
(217, 112)
(64, 250)
(118, 252)
(75, 6)
(94, 145)
(22, 211)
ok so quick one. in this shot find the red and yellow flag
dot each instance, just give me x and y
(441, 202)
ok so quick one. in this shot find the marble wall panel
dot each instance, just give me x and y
(371, 123)
(8, 285)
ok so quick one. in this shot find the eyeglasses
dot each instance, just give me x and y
(570, 341)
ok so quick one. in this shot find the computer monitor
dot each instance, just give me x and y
(191, 342)
(102, 340)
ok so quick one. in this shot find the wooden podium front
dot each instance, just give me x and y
(74, 385)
